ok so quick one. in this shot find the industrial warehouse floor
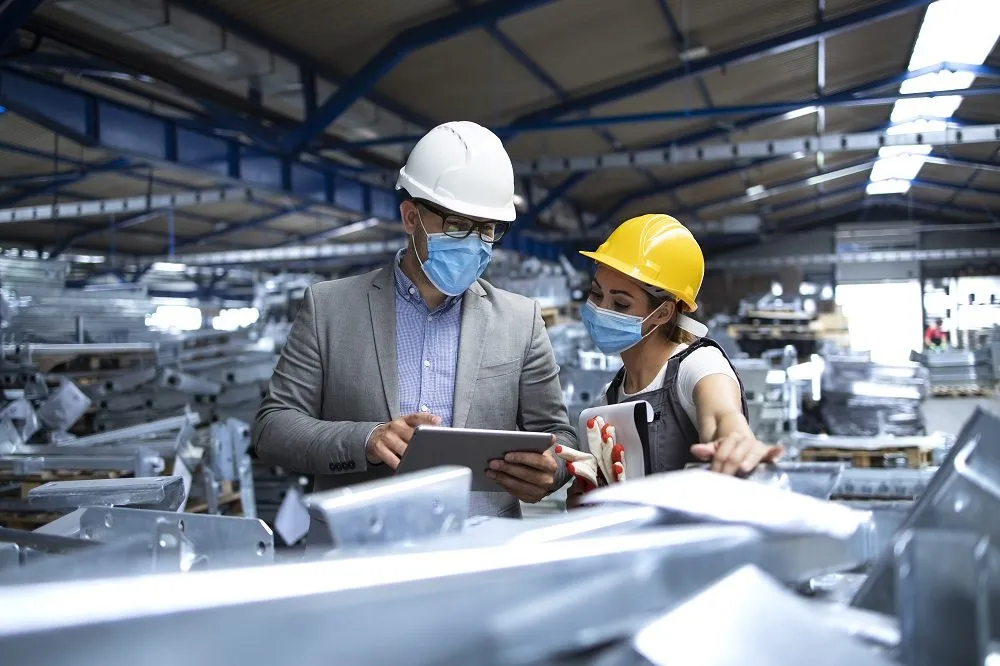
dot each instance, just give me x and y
(949, 414)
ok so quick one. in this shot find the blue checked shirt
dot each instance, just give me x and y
(426, 350)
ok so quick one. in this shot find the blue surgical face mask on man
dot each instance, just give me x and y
(453, 264)
(613, 332)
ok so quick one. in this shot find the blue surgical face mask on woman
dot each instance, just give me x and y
(453, 264)
(613, 332)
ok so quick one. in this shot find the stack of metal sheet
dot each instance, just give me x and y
(583, 370)
(643, 569)
(36, 306)
(959, 369)
(866, 399)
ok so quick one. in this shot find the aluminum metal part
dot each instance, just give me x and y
(132, 433)
(158, 492)
(467, 588)
(397, 510)
(942, 597)
(42, 541)
(744, 607)
(224, 541)
(187, 384)
(140, 461)
(963, 495)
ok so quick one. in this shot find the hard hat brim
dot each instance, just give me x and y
(632, 272)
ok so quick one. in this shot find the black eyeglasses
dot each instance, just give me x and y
(459, 227)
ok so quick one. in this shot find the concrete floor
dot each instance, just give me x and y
(950, 414)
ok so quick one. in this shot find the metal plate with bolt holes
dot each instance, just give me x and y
(448, 607)
(155, 492)
(226, 541)
(744, 607)
(396, 510)
(963, 495)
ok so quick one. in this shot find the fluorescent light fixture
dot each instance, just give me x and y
(694, 53)
(798, 113)
(756, 190)
(895, 186)
(953, 31)
(168, 267)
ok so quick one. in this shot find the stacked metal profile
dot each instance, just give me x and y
(959, 369)
(36, 306)
(584, 372)
(642, 571)
(866, 399)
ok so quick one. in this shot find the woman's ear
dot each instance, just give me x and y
(665, 313)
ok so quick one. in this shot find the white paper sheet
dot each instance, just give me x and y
(700, 495)
(623, 417)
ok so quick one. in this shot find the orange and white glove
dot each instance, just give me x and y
(610, 455)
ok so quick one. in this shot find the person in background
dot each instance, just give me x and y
(649, 271)
(934, 337)
(422, 341)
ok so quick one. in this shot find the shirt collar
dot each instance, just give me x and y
(409, 291)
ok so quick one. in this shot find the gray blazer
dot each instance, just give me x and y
(336, 380)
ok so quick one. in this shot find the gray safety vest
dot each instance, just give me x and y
(671, 434)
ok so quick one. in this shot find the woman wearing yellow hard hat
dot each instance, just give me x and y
(649, 271)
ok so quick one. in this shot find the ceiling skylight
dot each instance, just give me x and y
(953, 31)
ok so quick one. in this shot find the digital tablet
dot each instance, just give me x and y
(433, 446)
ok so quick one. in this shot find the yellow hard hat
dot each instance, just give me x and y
(656, 250)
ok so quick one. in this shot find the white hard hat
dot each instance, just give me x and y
(463, 167)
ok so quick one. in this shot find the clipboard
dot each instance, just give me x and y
(433, 446)
(631, 421)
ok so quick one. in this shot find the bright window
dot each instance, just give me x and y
(883, 318)
(175, 318)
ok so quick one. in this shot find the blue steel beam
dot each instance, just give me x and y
(311, 67)
(811, 180)
(749, 53)
(533, 68)
(638, 195)
(236, 227)
(681, 42)
(13, 14)
(853, 97)
(938, 185)
(106, 124)
(392, 54)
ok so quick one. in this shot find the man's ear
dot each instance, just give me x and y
(410, 216)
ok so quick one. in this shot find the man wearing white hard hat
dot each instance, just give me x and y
(422, 341)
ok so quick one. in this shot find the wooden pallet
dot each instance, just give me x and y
(915, 457)
(960, 391)
(26, 521)
(551, 316)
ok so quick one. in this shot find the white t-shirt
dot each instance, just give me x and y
(699, 364)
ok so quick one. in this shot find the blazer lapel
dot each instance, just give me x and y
(382, 306)
(477, 315)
